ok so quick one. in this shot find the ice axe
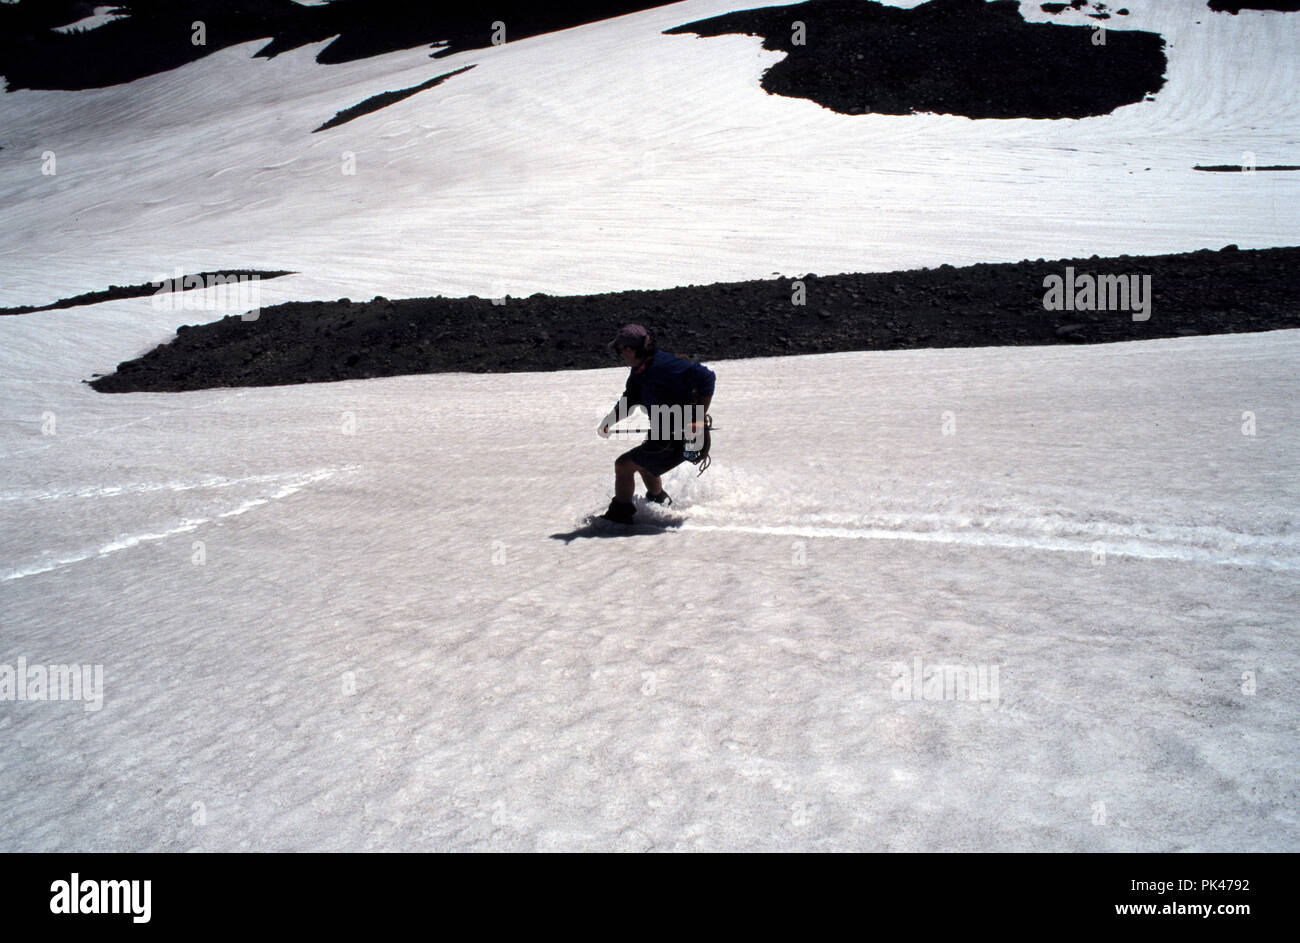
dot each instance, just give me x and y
(644, 431)
(708, 421)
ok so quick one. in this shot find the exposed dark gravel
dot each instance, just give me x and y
(1237, 168)
(384, 99)
(1236, 6)
(959, 57)
(1204, 292)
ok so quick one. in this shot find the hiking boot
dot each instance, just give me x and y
(620, 512)
(660, 498)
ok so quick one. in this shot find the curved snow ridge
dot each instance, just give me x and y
(144, 487)
(1190, 544)
(294, 484)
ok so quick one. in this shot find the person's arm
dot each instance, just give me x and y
(625, 406)
(622, 409)
(706, 379)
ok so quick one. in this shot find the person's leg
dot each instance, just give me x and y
(625, 470)
(642, 459)
(654, 484)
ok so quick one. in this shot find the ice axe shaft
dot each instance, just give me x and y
(644, 431)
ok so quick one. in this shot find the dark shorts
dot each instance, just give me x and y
(658, 457)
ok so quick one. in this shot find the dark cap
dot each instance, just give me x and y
(634, 336)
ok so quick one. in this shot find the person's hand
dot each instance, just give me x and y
(603, 430)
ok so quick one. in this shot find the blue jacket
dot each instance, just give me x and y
(665, 380)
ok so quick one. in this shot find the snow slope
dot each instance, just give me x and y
(642, 160)
(339, 616)
(97, 18)
(726, 686)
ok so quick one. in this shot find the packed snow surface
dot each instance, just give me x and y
(335, 617)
